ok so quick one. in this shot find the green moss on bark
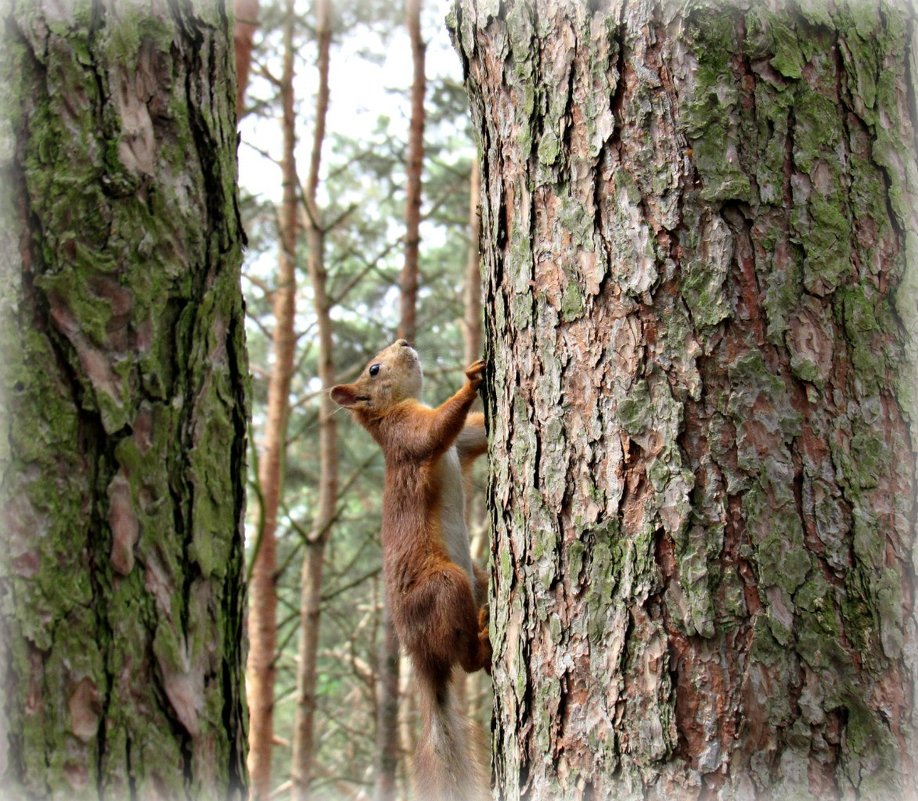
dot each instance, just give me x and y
(708, 117)
(124, 368)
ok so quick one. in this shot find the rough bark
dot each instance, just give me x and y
(123, 404)
(314, 556)
(260, 672)
(700, 262)
(245, 23)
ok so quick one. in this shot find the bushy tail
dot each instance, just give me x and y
(448, 764)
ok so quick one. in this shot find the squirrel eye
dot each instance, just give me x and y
(374, 370)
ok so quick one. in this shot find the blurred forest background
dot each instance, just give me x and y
(332, 96)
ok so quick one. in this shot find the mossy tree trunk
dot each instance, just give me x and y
(123, 404)
(699, 244)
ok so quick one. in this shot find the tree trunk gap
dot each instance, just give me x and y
(472, 691)
(123, 404)
(700, 258)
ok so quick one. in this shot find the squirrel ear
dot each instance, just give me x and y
(344, 395)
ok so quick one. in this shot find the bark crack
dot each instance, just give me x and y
(845, 111)
(617, 101)
(910, 77)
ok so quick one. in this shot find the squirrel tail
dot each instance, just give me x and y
(448, 762)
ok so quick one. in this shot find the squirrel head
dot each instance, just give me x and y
(390, 377)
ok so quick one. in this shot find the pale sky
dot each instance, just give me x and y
(358, 92)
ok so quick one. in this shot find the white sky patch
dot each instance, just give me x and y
(362, 90)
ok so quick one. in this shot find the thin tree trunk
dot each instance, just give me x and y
(263, 601)
(123, 412)
(701, 272)
(304, 723)
(409, 278)
(244, 26)
(387, 693)
(314, 558)
(408, 718)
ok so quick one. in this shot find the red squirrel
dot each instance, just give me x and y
(436, 594)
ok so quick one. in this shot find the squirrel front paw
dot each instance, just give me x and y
(485, 650)
(475, 373)
(484, 639)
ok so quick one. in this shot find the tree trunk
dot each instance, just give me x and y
(387, 708)
(123, 404)
(414, 174)
(304, 720)
(314, 553)
(700, 265)
(245, 23)
(260, 672)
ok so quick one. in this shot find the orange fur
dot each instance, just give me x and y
(436, 596)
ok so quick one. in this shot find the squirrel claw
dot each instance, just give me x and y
(475, 372)
(486, 650)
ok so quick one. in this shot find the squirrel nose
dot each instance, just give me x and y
(403, 343)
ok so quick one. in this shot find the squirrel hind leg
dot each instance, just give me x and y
(475, 652)
(440, 625)
(481, 585)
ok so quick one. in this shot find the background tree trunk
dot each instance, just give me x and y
(245, 23)
(387, 710)
(700, 255)
(261, 668)
(414, 175)
(314, 552)
(124, 416)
